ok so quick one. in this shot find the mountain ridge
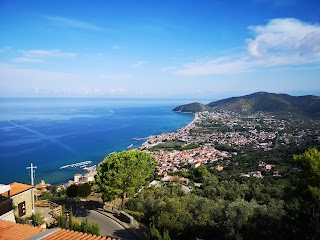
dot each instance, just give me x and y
(273, 103)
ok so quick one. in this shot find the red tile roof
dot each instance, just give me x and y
(10, 230)
(17, 188)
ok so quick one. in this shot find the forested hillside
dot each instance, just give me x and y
(228, 207)
(278, 104)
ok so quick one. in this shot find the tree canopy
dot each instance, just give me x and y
(84, 190)
(233, 207)
(310, 175)
(123, 173)
(72, 191)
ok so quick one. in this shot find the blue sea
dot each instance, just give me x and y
(53, 132)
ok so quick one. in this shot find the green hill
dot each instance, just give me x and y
(193, 108)
(277, 104)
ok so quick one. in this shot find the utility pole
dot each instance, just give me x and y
(32, 175)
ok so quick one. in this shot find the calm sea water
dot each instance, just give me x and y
(52, 132)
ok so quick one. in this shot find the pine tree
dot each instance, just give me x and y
(154, 233)
(166, 235)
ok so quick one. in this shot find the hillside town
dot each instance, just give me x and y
(233, 131)
(214, 139)
(208, 130)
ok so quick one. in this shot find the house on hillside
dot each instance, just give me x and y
(6, 208)
(196, 164)
(22, 196)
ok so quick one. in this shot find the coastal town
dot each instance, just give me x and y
(233, 131)
(208, 131)
(220, 140)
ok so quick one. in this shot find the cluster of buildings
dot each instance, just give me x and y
(174, 161)
(84, 178)
(225, 128)
(206, 128)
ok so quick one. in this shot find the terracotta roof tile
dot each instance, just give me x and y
(17, 188)
(64, 234)
(10, 230)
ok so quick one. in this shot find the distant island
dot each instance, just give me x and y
(278, 104)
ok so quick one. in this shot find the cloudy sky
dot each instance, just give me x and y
(159, 48)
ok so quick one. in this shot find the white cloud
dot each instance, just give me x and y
(281, 42)
(72, 23)
(139, 64)
(27, 60)
(215, 66)
(285, 37)
(79, 91)
(117, 91)
(38, 53)
(10, 72)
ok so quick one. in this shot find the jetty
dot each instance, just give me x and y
(138, 139)
(79, 164)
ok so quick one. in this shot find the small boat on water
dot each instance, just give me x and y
(138, 139)
(130, 146)
(79, 164)
(111, 153)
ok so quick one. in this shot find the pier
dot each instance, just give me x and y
(79, 164)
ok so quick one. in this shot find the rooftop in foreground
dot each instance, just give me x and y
(17, 188)
(10, 230)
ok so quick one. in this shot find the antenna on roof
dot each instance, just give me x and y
(32, 174)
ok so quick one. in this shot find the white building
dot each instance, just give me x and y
(6, 209)
(77, 177)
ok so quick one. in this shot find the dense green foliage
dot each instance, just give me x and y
(72, 191)
(283, 104)
(193, 108)
(123, 173)
(310, 176)
(36, 219)
(229, 207)
(280, 104)
(84, 190)
(154, 234)
(67, 221)
(81, 190)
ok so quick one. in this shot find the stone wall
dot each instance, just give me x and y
(26, 197)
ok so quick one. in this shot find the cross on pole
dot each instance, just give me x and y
(32, 174)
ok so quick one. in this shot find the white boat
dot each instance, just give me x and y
(79, 164)
(130, 146)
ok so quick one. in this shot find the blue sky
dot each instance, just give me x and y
(159, 48)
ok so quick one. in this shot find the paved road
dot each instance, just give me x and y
(109, 227)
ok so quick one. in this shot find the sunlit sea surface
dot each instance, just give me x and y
(53, 132)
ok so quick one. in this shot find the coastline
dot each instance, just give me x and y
(143, 145)
(130, 147)
(156, 139)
